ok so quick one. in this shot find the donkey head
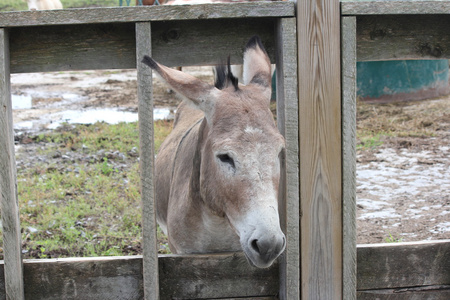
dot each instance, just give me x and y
(240, 150)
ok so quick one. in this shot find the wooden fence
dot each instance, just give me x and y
(316, 112)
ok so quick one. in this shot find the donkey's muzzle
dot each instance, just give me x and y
(263, 250)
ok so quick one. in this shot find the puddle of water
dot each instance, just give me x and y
(71, 97)
(58, 102)
(25, 101)
(25, 125)
(163, 113)
(107, 115)
(21, 101)
(88, 116)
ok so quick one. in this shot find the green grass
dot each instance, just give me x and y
(392, 239)
(368, 140)
(375, 122)
(89, 205)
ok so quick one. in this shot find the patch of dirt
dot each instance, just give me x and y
(403, 190)
(403, 185)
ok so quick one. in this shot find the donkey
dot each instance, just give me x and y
(217, 173)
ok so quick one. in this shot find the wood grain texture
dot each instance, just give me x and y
(113, 46)
(215, 276)
(73, 47)
(209, 41)
(147, 157)
(348, 42)
(394, 7)
(8, 182)
(84, 278)
(147, 13)
(318, 25)
(253, 298)
(414, 293)
(218, 276)
(403, 37)
(287, 118)
(402, 265)
(385, 271)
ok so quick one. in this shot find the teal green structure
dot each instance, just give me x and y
(402, 80)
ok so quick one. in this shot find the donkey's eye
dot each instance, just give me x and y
(225, 158)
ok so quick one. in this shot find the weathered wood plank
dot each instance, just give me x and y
(412, 269)
(112, 46)
(403, 37)
(12, 246)
(84, 278)
(394, 7)
(348, 41)
(81, 278)
(147, 13)
(215, 276)
(73, 47)
(402, 265)
(182, 277)
(287, 118)
(209, 41)
(147, 157)
(318, 26)
(420, 293)
(253, 298)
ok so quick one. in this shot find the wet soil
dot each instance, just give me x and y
(403, 190)
(403, 185)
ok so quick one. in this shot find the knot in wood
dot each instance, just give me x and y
(378, 34)
(172, 35)
(425, 49)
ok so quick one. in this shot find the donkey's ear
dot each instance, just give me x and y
(257, 69)
(196, 91)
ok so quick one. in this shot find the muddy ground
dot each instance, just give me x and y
(403, 185)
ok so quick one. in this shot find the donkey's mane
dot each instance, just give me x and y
(224, 76)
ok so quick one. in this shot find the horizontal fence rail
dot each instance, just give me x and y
(393, 30)
(390, 37)
(113, 46)
(418, 270)
(148, 13)
(409, 7)
(383, 270)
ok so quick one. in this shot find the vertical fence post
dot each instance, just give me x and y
(348, 38)
(145, 100)
(319, 61)
(12, 245)
(287, 118)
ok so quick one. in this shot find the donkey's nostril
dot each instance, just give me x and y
(262, 251)
(255, 246)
